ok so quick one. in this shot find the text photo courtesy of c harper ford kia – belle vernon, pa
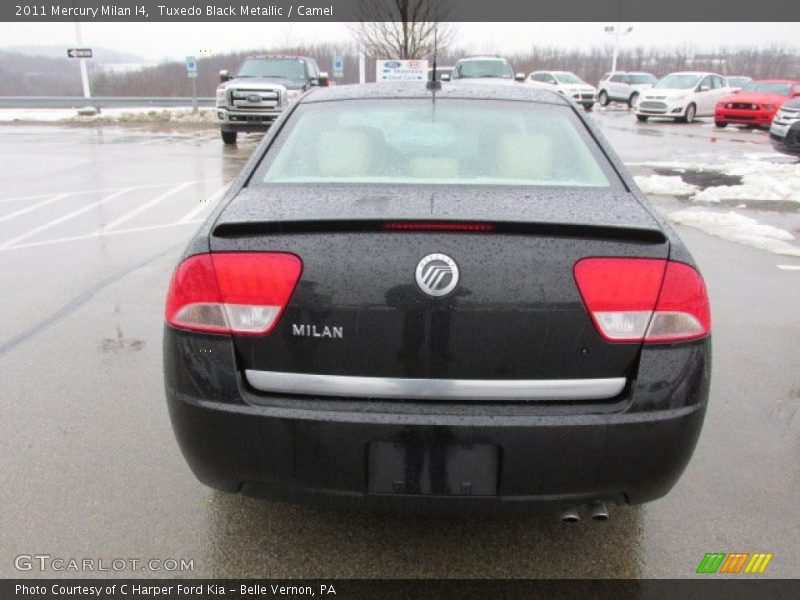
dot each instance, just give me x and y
(399, 299)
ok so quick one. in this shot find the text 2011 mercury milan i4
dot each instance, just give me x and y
(452, 301)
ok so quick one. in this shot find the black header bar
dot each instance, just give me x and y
(298, 11)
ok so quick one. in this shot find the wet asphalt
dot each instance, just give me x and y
(89, 467)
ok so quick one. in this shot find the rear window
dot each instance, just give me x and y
(448, 142)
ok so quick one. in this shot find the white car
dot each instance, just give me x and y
(623, 87)
(485, 69)
(788, 115)
(567, 84)
(682, 96)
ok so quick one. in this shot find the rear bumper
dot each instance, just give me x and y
(544, 462)
(299, 449)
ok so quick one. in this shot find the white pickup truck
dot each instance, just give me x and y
(261, 90)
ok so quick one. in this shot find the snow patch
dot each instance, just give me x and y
(145, 114)
(738, 228)
(665, 185)
(762, 178)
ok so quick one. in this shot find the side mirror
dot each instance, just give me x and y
(703, 88)
(446, 77)
(736, 91)
(552, 82)
(324, 79)
(224, 76)
(519, 76)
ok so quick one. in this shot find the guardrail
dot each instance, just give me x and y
(100, 101)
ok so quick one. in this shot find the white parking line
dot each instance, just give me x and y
(204, 204)
(33, 207)
(59, 220)
(141, 208)
(104, 190)
(789, 267)
(89, 236)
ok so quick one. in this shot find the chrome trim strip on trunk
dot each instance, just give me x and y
(434, 389)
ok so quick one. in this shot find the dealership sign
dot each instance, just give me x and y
(401, 70)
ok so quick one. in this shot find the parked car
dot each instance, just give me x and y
(567, 84)
(785, 118)
(682, 96)
(623, 87)
(789, 143)
(459, 305)
(756, 103)
(493, 68)
(259, 93)
(442, 73)
(737, 82)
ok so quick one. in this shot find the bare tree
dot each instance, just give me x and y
(402, 28)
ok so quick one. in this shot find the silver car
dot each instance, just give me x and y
(788, 115)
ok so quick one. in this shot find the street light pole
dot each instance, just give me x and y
(84, 74)
(617, 31)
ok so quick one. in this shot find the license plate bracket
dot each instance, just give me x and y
(432, 468)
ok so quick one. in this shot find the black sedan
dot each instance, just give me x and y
(444, 301)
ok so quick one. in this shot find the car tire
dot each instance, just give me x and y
(632, 100)
(691, 113)
(721, 124)
(228, 137)
(642, 118)
(602, 98)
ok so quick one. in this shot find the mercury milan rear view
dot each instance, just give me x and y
(449, 301)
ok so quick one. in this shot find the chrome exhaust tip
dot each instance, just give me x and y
(570, 514)
(598, 511)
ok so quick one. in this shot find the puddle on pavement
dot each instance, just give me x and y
(702, 178)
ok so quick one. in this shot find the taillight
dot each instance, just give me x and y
(237, 292)
(643, 299)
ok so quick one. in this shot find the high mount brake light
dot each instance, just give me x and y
(236, 292)
(643, 299)
(436, 226)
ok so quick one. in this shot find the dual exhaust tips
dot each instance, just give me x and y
(597, 511)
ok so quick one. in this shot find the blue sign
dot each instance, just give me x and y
(338, 66)
(191, 64)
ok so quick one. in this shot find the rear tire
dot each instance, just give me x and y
(632, 100)
(642, 118)
(228, 137)
(602, 98)
(691, 113)
(720, 124)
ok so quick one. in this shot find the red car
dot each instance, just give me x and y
(756, 103)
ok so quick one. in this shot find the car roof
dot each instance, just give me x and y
(415, 90)
(697, 73)
(469, 58)
(789, 81)
(279, 57)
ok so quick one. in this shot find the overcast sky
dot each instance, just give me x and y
(156, 41)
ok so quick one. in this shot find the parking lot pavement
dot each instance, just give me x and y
(89, 466)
